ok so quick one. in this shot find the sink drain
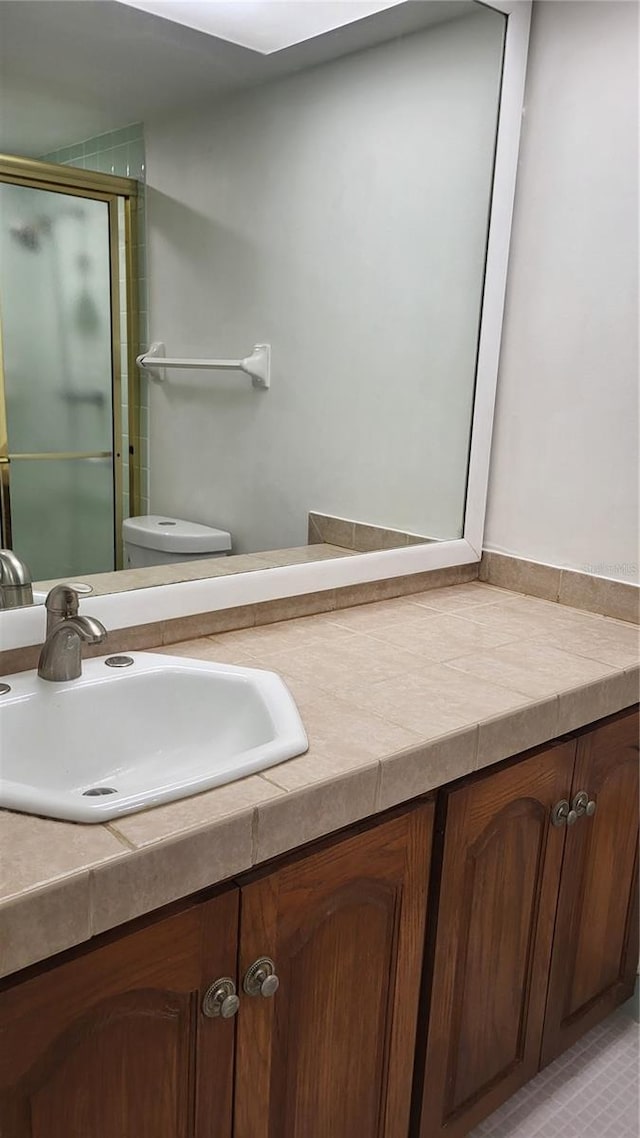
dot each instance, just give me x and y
(97, 791)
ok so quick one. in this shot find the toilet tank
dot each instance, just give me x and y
(157, 540)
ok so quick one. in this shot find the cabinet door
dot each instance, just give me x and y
(498, 895)
(330, 1055)
(104, 1046)
(595, 952)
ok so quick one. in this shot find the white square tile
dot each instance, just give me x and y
(589, 1092)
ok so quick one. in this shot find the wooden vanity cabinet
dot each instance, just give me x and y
(536, 931)
(595, 950)
(331, 1054)
(524, 934)
(500, 875)
(112, 1044)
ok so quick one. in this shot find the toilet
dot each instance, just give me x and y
(156, 540)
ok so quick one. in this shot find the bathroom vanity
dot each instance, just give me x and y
(383, 969)
(386, 936)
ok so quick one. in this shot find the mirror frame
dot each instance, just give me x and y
(23, 627)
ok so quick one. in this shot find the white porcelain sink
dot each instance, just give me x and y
(122, 739)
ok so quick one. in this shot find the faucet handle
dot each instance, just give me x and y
(62, 602)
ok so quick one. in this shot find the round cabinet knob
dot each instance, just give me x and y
(560, 813)
(220, 999)
(582, 804)
(572, 817)
(229, 1006)
(269, 986)
(261, 979)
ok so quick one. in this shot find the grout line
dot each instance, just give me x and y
(378, 791)
(254, 836)
(476, 748)
(113, 829)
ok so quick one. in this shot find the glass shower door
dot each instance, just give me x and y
(57, 462)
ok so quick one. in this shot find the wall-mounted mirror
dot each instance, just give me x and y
(322, 183)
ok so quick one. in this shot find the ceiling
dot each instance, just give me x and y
(71, 69)
(263, 25)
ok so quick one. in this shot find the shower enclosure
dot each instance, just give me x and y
(68, 332)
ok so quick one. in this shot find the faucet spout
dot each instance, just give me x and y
(89, 629)
(61, 655)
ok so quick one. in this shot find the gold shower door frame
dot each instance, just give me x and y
(110, 189)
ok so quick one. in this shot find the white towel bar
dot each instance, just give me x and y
(257, 365)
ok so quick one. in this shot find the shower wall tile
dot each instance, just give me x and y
(121, 152)
(118, 152)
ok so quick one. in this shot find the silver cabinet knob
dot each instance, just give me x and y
(560, 813)
(261, 979)
(572, 817)
(220, 999)
(582, 804)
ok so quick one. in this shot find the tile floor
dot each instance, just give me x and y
(590, 1092)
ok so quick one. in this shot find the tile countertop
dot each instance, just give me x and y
(398, 697)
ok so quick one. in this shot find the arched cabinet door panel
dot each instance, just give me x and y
(330, 1054)
(595, 954)
(501, 866)
(113, 1043)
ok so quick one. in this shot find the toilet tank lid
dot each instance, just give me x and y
(174, 535)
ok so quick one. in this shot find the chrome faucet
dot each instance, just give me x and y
(15, 581)
(61, 655)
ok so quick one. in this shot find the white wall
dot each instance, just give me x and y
(341, 215)
(564, 468)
